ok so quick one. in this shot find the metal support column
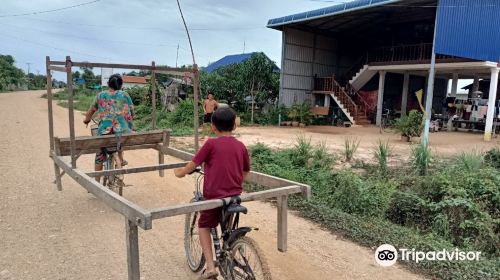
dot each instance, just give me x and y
(491, 104)
(404, 98)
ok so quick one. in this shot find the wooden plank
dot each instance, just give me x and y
(130, 210)
(120, 66)
(214, 203)
(71, 110)
(179, 154)
(176, 73)
(136, 169)
(132, 239)
(161, 154)
(109, 141)
(126, 148)
(282, 223)
(254, 177)
(57, 68)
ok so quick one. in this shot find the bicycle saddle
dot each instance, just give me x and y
(236, 208)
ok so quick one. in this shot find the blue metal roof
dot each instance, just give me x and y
(469, 29)
(328, 11)
(231, 59)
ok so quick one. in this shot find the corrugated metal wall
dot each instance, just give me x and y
(304, 55)
(470, 29)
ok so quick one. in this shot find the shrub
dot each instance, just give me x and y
(421, 158)
(492, 158)
(350, 147)
(409, 209)
(470, 160)
(409, 126)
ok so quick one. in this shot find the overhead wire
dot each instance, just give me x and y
(49, 11)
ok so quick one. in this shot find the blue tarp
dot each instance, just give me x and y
(469, 29)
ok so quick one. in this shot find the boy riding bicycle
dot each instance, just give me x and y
(226, 164)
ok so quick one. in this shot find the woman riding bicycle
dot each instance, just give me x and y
(115, 112)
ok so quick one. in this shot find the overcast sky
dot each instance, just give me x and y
(139, 32)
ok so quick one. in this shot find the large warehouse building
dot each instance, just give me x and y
(368, 55)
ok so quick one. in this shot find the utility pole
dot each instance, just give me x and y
(177, 58)
(244, 45)
(28, 63)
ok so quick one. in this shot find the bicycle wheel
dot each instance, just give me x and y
(194, 253)
(248, 261)
(118, 183)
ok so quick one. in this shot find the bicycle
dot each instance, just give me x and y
(238, 257)
(386, 121)
(112, 162)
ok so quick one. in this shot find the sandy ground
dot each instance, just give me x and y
(46, 234)
(442, 144)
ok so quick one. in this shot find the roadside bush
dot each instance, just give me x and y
(382, 153)
(409, 126)
(492, 158)
(409, 209)
(350, 147)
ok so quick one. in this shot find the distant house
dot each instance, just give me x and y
(233, 59)
(134, 81)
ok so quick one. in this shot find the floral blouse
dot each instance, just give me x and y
(114, 111)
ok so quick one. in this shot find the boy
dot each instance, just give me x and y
(209, 106)
(226, 165)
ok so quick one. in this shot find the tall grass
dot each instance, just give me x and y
(421, 159)
(382, 153)
(351, 145)
(472, 160)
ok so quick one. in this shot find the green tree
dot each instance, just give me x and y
(10, 75)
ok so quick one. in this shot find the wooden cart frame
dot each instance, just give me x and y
(66, 151)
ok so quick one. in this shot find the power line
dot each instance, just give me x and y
(49, 11)
(94, 39)
(147, 27)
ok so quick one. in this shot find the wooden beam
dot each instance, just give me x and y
(282, 223)
(132, 239)
(57, 151)
(254, 177)
(161, 153)
(153, 97)
(214, 203)
(57, 68)
(121, 66)
(131, 211)
(135, 169)
(176, 73)
(126, 148)
(109, 141)
(71, 110)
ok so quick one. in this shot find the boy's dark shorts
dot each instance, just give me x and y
(207, 118)
(210, 218)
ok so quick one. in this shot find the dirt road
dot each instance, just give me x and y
(46, 234)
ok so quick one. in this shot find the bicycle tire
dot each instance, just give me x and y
(258, 267)
(195, 262)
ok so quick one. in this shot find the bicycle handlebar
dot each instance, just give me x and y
(196, 170)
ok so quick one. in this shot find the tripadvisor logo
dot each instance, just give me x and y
(387, 255)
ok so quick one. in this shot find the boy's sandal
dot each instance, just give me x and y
(208, 275)
(124, 163)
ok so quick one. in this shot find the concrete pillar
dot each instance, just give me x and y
(491, 104)
(404, 98)
(380, 101)
(327, 100)
(475, 85)
(454, 85)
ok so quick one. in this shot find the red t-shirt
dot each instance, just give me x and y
(225, 160)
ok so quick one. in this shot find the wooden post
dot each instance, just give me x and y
(153, 96)
(132, 239)
(196, 117)
(161, 152)
(57, 151)
(49, 103)
(71, 110)
(282, 222)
